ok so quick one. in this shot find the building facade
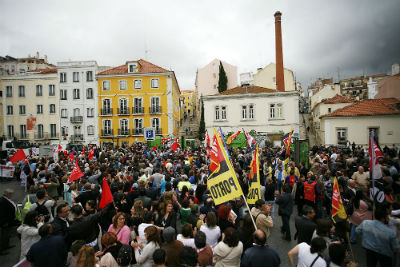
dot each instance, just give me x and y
(135, 95)
(266, 77)
(266, 111)
(78, 101)
(357, 86)
(10, 65)
(32, 96)
(328, 91)
(189, 102)
(354, 122)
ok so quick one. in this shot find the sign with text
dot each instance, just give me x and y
(149, 134)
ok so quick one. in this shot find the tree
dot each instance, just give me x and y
(202, 127)
(222, 80)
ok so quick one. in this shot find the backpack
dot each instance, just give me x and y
(42, 210)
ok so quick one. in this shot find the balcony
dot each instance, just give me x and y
(137, 110)
(54, 136)
(137, 131)
(123, 132)
(123, 111)
(76, 137)
(106, 111)
(41, 136)
(158, 130)
(107, 132)
(155, 109)
(76, 119)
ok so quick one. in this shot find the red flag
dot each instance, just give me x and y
(374, 154)
(155, 148)
(83, 151)
(174, 146)
(216, 155)
(232, 137)
(250, 139)
(208, 140)
(337, 204)
(91, 153)
(19, 155)
(253, 164)
(106, 196)
(76, 173)
(59, 148)
(71, 156)
(65, 153)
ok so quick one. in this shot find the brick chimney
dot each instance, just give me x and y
(280, 80)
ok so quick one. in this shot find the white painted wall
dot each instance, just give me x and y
(357, 129)
(328, 91)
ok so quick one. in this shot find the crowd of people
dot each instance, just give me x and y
(162, 213)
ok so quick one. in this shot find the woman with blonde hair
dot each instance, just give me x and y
(119, 228)
(86, 257)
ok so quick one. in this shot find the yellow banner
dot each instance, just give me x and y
(223, 183)
(254, 189)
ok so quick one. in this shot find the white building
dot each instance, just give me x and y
(354, 122)
(264, 110)
(78, 101)
(328, 91)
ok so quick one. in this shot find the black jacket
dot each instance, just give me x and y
(260, 256)
(305, 228)
(285, 202)
(170, 221)
(7, 213)
(269, 194)
(60, 227)
(48, 251)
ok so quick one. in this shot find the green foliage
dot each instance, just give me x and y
(222, 80)
(202, 127)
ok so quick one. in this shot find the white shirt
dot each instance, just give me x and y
(212, 234)
(305, 258)
(141, 229)
(187, 242)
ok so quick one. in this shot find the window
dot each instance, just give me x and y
(138, 124)
(90, 112)
(52, 90)
(275, 111)
(244, 112)
(138, 84)
(22, 131)
(89, 76)
(123, 106)
(39, 109)
(75, 77)
(122, 85)
(63, 94)
(155, 105)
(107, 127)
(76, 94)
(138, 107)
(341, 135)
(216, 113)
(251, 112)
(10, 130)
(106, 85)
(9, 91)
(10, 110)
(21, 91)
(40, 133)
(223, 113)
(63, 77)
(90, 130)
(53, 131)
(64, 131)
(39, 90)
(52, 108)
(329, 110)
(77, 112)
(123, 127)
(22, 110)
(64, 113)
(89, 93)
(106, 106)
(155, 122)
(154, 83)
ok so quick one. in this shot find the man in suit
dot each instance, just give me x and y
(49, 250)
(61, 224)
(285, 202)
(305, 225)
(8, 210)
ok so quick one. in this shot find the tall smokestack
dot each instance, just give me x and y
(280, 80)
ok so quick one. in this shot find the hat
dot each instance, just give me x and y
(169, 234)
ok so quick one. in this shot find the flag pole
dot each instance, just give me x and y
(372, 159)
(252, 219)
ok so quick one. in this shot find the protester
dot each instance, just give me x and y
(120, 228)
(144, 253)
(308, 256)
(29, 231)
(229, 250)
(86, 257)
(212, 231)
(305, 225)
(285, 202)
(262, 218)
(171, 246)
(204, 251)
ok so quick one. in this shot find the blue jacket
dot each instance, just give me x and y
(260, 256)
(285, 202)
(48, 252)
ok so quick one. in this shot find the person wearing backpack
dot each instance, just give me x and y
(43, 206)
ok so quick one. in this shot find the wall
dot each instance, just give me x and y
(328, 91)
(265, 78)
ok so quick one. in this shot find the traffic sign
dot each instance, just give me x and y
(149, 134)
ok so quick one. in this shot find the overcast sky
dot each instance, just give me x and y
(346, 38)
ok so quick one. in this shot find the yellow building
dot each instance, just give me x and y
(188, 98)
(136, 95)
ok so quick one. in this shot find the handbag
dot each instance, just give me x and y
(27, 206)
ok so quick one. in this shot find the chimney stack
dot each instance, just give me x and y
(280, 80)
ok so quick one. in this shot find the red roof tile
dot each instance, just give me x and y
(144, 67)
(338, 99)
(247, 90)
(368, 107)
